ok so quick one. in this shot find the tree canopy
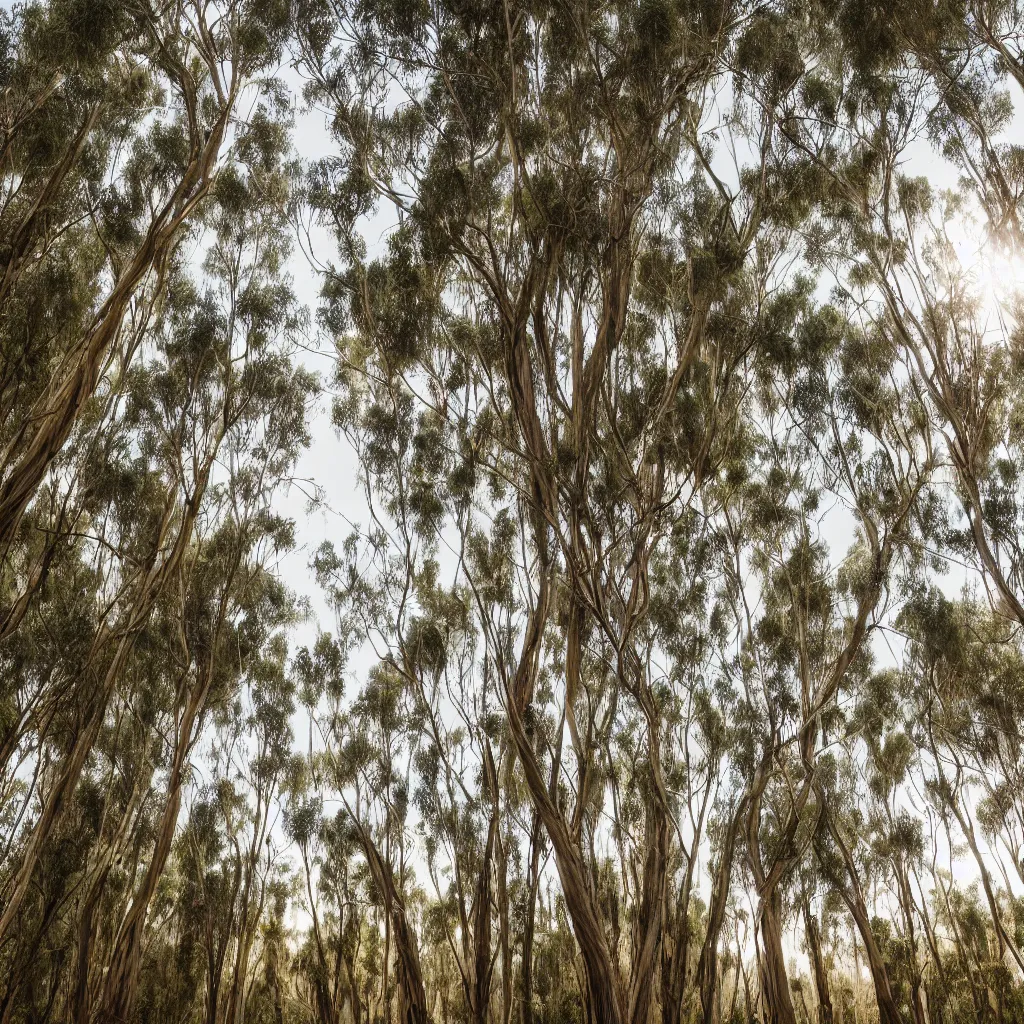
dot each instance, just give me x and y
(665, 664)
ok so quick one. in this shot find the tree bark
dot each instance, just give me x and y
(707, 968)
(156, 579)
(821, 985)
(118, 995)
(410, 977)
(774, 977)
(43, 434)
(853, 897)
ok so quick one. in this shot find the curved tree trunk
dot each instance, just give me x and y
(888, 1011)
(772, 967)
(156, 579)
(118, 995)
(410, 977)
(43, 434)
(853, 897)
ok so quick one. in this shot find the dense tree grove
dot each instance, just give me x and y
(672, 667)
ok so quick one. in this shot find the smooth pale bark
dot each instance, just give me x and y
(603, 982)
(888, 1011)
(118, 996)
(707, 968)
(533, 883)
(853, 897)
(774, 977)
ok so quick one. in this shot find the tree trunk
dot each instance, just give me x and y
(43, 434)
(152, 586)
(821, 985)
(526, 979)
(413, 999)
(707, 968)
(481, 989)
(118, 996)
(774, 977)
(888, 1011)
(603, 981)
(647, 925)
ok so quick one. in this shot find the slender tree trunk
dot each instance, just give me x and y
(413, 997)
(707, 968)
(43, 434)
(916, 974)
(504, 925)
(821, 985)
(118, 994)
(70, 771)
(647, 925)
(1006, 941)
(673, 960)
(526, 977)
(888, 1011)
(481, 990)
(603, 979)
(81, 1008)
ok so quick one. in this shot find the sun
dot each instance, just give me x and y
(1000, 275)
(993, 271)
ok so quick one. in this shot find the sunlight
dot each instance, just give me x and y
(1000, 276)
(996, 273)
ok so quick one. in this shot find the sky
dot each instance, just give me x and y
(329, 470)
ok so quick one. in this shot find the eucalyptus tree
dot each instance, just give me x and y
(371, 749)
(874, 88)
(937, 75)
(818, 916)
(213, 938)
(163, 179)
(117, 120)
(965, 666)
(886, 718)
(843, 852)
(175, 491)
(944, 71)
(230, 599)
(338, 960)
(832, 445)
(553, 330)
(675, 400)
(176, 536)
